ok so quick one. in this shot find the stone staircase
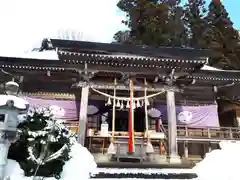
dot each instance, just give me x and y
(119, 173)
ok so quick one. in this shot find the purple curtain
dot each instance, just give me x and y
(193, 116)
(70, 107)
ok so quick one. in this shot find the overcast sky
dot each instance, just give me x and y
(23, 23)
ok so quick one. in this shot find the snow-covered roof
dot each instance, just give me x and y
(44, 55)
(18, 102)
(50, 55)
(210, 68)
(34, 53)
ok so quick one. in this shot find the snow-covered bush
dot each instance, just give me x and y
(43, 146)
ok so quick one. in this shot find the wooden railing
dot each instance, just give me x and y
(165, 142)
(217, 133)
(203, 133)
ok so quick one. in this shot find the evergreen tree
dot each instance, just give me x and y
(154, 22)
(195, 12)
(43, 145)
(178, 32)
(221, 37)
(122, 37)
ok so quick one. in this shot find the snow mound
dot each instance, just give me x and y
(13, 170)
(220, 164)
(80, 166)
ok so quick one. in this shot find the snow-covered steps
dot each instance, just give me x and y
(115, 173)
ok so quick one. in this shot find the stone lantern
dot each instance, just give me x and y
(11, 107)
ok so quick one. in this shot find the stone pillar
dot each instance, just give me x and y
(83, 115)
(172, 128)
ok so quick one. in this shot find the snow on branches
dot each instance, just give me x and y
(45, 141)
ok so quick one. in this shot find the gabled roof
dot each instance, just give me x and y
(117, 58)
(129, 56)
(24, 63)
(122, 49)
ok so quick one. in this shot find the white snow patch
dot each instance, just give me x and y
(48, 55)
(17, 101)
(44, 55)
(80, 165)
(210, 68)
(220, 164)
(13, 170)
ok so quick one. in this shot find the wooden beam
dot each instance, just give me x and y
(121, 86)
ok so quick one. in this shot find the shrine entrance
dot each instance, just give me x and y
(122, 120)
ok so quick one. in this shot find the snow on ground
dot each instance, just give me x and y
(13, 170)
(78, 167)
(220, 164)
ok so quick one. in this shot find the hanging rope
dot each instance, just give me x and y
(128, 98)
(149, 147)
(114, 110)
(145, 107)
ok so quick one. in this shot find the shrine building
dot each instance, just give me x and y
(131, 101)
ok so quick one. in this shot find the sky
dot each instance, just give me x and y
(232, 7)
(24, 23)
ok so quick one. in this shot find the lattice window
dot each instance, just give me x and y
(93, 122)
(152, 124)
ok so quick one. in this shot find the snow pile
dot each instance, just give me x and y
(13, 170)
(80, 166)
(220, 164)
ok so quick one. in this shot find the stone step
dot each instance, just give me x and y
(118, 173)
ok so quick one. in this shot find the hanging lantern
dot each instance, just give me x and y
(138, 103)
(127, 106)
(154, 113)
(121, 106)
(109, 101)
(118, 104)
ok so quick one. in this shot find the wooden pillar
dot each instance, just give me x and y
(83, 115)
(209, 147)
(131, 147)
(185, 144)
(172, 128)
